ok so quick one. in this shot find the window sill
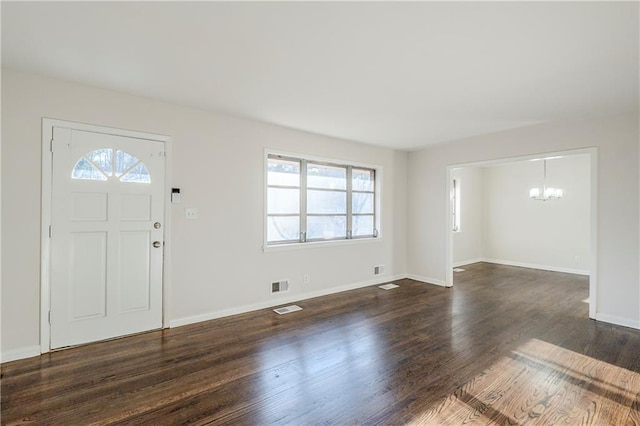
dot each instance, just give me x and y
(319, 244)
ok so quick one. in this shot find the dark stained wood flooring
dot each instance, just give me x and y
(505, 345)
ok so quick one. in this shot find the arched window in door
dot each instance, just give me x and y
(106, 163)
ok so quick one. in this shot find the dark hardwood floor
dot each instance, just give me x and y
(506, 345)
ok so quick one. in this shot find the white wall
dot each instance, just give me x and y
(616, 138)
(501, 224)
(546, 235)
(218, 161)
(467, 243)
(218, 263)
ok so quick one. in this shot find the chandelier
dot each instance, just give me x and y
(546, 192)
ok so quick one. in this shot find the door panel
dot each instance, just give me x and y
(89, 207)
(134, 270)
(106, 274)
(88, 266)
(135, 207)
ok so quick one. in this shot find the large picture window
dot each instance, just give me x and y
(317, 201)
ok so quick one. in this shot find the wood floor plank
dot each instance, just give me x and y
(634, 413)
(504, 346)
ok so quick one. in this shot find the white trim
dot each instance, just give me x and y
(527, 157)
(314, 158)
(427, 280)
(448, 241)
(536, 266)
(20, 353)
(45, 251)
(468, 262)
(166, 262)
(45, 241)
(281, 301)
(593, 261)
(614, 319)
(319, 244)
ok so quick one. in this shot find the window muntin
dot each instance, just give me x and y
(100, 165)
(103, 159)
(139, 174)
(85, 169)
(124, 161)
(324, 201)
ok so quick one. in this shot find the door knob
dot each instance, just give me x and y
(156, 244)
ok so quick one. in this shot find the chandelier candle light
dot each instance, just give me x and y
(545, 193)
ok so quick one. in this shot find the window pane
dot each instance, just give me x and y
(362, 180)
(322, 202)
(139, 174)
(85, 170)
(124, 160)
(283, 201)
(329, 177)
(283, 172)
(283, 228)
(362, 225)
(362, 202)
(326, 227)
(102, 159)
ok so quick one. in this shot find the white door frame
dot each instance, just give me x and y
(45, 248)
(593, 264)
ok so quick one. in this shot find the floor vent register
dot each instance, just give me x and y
(287, 309)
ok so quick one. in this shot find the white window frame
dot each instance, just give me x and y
(455, 204)
(349, 238)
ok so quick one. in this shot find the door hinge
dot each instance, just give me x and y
(50, 231)
(49, 317)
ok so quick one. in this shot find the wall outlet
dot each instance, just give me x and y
(378, 270)
(191, 214)
(306, 279)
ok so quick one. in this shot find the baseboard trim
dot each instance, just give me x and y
(20, 353)
(427, 280)
(281, 301)
(616, 320)
(467, 262)
(536, 266)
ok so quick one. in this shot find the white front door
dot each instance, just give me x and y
(106, 237)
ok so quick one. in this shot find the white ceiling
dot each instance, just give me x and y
(403, 75)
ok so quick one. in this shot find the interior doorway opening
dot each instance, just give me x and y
(498, 212)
